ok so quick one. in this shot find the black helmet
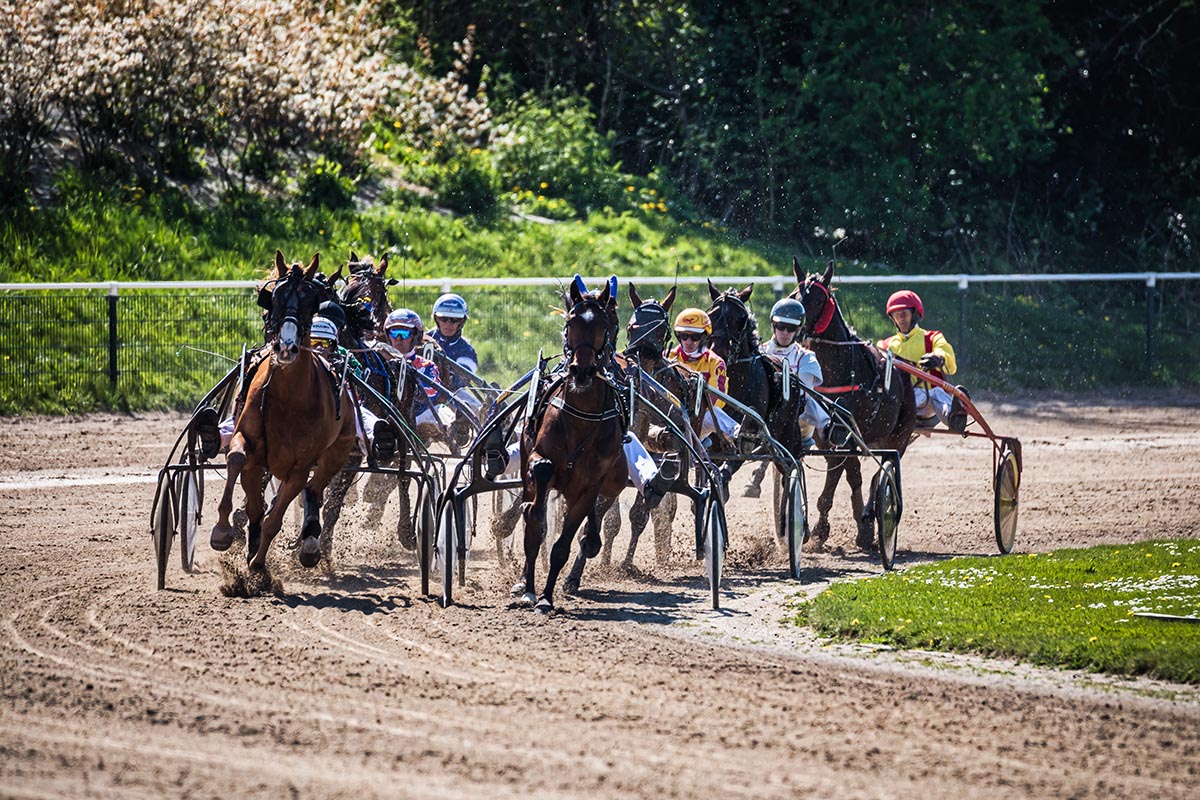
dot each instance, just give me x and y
(333, 312)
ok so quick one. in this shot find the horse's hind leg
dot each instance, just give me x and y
(664, 520)
(605, 506)
(825, 502)
(335, 498)
(273, 521)
(534, 511)
(562, 546)
(865, 537)
(223, 533)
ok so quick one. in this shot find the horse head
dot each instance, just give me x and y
(366, 288)
(649, 325)
(734, 331)
(294, 298)
(589, 333)
(814, 294)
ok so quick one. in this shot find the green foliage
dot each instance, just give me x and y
(466, 182)
(1070, 608)
(554, 150)
(325, 184)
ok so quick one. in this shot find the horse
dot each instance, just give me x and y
(643, 358)
(295, 420)
(854, 370)
(573, 442)
(754, 380)
(365, 304)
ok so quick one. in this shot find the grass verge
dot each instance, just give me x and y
(1070, 608)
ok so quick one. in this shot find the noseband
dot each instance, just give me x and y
(735, 344)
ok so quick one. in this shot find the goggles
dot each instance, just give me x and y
(685, 336)
(400, 333)
(784, 326)
(325, 344)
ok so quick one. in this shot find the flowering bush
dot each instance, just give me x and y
(154, 84)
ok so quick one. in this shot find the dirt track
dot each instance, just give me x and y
(351, 684)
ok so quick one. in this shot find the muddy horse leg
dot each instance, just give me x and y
(273, 521)
(835, 467)
(865, 538)
(589, 547)
(605, 509)
(222, 532)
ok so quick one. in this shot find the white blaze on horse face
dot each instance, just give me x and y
(286, 344)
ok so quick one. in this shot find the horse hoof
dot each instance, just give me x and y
(310, 551)
(590, 546)
(222, 538)
(751, 491)
(571, 588)
(543, 606)
(311, 529)
(529, 598)
(517, 589)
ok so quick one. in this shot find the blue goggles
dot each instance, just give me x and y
(400, 333)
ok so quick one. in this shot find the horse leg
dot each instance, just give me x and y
(328, 466)
(611, 529)
(310, 530)
(223, 533)
(835, 466)
(254, 508)
(405, 531)
(273, 521)
(866, 534)
(503, 523)
(754, 487)
(639, 518)
(335, 498)
(562, 547)
(605, 508)
(664, 520)
(542, 472)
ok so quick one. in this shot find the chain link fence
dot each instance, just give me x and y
(134, 346)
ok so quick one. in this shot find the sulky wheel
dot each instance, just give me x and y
(887, 513)
(461, 547)
(794, 520)
(714, 547)
(189, 496)
(447, 541)
(162, 525)
(1008, 485)
(426, 530)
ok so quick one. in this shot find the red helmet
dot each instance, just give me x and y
(905, 298)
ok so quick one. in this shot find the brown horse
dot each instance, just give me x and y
(573, 442)
(856, 379)
(291, 422)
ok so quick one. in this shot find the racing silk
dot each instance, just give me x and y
(461, 352)
(429, 370)
(708, 364)
(338, 359)
(802, 360)
(916, 343)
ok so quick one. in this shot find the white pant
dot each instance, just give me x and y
(934, 400)
(716, 417)
(469, 400)
(814, 414)
(445, 414)
(638, 461)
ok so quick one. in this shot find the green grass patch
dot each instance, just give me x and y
(1069, 608)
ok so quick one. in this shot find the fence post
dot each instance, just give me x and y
(112, 334)
(961, 350)
(1151, 293)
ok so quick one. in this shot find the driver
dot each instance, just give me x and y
(787, 318)
(931, 352)
(693, 328)
(450, 315)
(405, 334)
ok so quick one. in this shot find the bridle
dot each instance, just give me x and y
(589, 302)
(735, 344)
(648, 327)
(820, 323)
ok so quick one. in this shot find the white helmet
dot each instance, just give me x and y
(323, 328)
(450, 306)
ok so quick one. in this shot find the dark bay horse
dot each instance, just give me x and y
(643, 363)
(753, 379)
(855, 377)
(572, 442)
(293, 423)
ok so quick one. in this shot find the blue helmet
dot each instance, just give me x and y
(450, 306)
(404, 318)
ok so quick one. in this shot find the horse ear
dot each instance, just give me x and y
(573, 294)
(335, 277)
(744, 294)
(828, 276)
(606, 297)
(669, 300)
(313, 266)
(634, 297)
(712, 290)
(280, 264)
(383, 265)
(798, 272)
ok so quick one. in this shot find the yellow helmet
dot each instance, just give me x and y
(693, 320)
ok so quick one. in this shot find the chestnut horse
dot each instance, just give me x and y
(291, 422)
(573, 442)
(855, 377)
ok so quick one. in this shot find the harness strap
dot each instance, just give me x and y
(856, 387)
(612, 413)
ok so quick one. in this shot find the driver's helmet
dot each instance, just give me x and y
(323, 333)
(905, 298)
(404, 323)
(788, 311)
(332, 312)
(450, 306)
(693, 320)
